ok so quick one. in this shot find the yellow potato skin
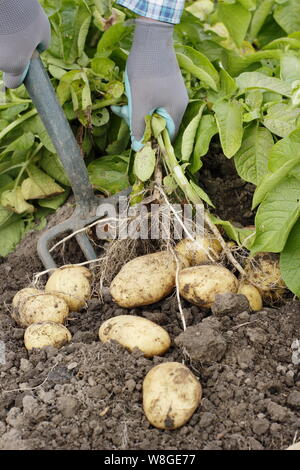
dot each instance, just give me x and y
(44, 334)
(136, 332)
(23, 294)
(145, 280)
(199, 251)
(253, 296)
(200, 284)
(42, 308)
(72, 284)
(171, 394)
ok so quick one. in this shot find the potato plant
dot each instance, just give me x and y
(241, 64)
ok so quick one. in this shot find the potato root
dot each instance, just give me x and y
(136, 332)
(263, 272)
(200, 284)
(199, 251)
(72, 284)
(145, 280)
(44, 334)
(171, 394)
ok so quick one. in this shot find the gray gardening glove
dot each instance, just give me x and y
(153, 80)
(24, 27)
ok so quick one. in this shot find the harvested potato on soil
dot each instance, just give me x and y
(253, 296)
(43, 334)
(145, 280)
(171, 394)
(198, 251)
(200, 284)
(263, 272)
(136, 332)
(41, 308)
(72, 284)
(23, 295)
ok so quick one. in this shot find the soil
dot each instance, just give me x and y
(88, 395)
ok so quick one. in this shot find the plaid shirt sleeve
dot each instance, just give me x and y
(168, 11)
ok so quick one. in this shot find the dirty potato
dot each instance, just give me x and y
(22, 295)
(41, 308)
(171, 394)
(72, 284)
(136, 332)
(253, 296)
(145, 280)
(200, 250)
(44, 334)
(200, 284)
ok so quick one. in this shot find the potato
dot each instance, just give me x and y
(200, 284)
(201, 250)
(41, 308)
(253, 296)
(43, 334)
(171, 394)
(72, 284)
(145, 280)
(136, 332)
(263, 272)
(23, 295)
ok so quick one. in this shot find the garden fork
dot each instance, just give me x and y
(44, 98)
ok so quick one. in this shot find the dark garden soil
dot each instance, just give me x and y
(88, 395)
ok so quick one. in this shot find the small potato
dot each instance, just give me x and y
(253, 296)
(136, 332)
(72, 284)
(44, 334)
(200, 284)
(41, 308)
(145, 280)
(199, 251)
(23, 295)
(171, 394)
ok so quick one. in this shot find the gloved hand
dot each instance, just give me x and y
(153, 80)
(24, 27)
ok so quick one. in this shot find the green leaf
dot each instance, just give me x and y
(236, 19)
(290, 67)
(23, 143)
(189, 135)
(242, 236)
(206, 130)
(120, 143)
(290, 260)
(100, 117)
(144, 163)
(228, 85)
(108, 173)
(281, 119)
(15, 202)
(39, 185)
(158, 124)
(56, 201)
(198, 64)
(10, 236)
(251, 160)
(36, 126)
(256, 80)
(229, 119)
(201, 193)
(112, 36)
(52, 165)
(103, 67)
(288, 16)
(276, 216)
(169, 184)
(259, 17)
(283, 158)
